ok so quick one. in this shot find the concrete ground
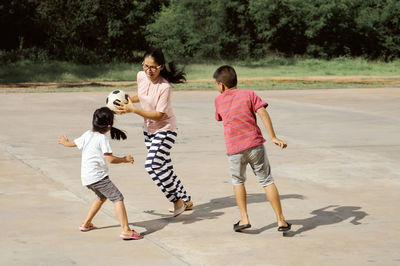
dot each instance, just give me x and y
(338, 179)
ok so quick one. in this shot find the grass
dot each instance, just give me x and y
(208, 85)
(278, 67)
(200, 75)
(285, 85)
(62, 89)
(55, 71)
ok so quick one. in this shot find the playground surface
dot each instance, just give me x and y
(339, 182)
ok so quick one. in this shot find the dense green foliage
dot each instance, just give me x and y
(203, 29)
(84, 31)
(91, 31)
(324, 28)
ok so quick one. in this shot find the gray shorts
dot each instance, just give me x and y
(258, 160)
(105, 189)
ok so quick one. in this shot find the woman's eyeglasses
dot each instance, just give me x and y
(151, 68)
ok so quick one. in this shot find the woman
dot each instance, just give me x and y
(160, 127)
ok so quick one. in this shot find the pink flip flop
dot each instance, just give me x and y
(85, 229)
(135, 236)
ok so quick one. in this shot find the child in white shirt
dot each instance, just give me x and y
(96, 153)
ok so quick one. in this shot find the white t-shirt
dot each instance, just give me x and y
(94, 165)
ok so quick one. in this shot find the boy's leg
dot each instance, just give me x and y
(94, 208)
(120, 212)
(273, 197)
(241, 201)
(237, 165)
(259, 163)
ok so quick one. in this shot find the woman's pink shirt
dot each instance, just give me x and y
(156, 96)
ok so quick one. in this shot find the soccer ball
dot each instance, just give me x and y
(115, 97)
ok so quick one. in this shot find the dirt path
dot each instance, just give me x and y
(362, 79)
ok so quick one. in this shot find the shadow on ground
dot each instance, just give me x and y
(212, 210)
(320, 217)
(205, 211)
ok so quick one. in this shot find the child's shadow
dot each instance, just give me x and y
(205, 211)
(321, 217)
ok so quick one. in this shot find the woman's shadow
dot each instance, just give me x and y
(321, 217)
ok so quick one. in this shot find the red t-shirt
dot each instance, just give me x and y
(237, 109)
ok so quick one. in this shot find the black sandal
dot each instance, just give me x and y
(285, 228)
(239, 228)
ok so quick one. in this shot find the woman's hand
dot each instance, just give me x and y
(124, 108)
(131, 108)
(134, 98)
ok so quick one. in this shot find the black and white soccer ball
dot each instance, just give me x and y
(115, 98)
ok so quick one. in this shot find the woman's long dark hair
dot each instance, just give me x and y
(103, 119)
(173, 75)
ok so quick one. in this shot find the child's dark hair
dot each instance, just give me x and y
(173, 75)
(227, 75)
(103, 119)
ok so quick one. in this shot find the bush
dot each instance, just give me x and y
(203, 29)
(27, 54)
(329, 28)
(88, 31)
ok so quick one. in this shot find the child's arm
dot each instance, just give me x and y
(63, 140)
(115, 160)
(262, 112)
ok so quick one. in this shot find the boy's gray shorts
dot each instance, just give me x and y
(258, 160)
(105, 189)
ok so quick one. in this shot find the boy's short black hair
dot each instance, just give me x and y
(227, 75)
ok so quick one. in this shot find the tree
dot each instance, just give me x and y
(203, 29)
(17, 25)
(91, 30)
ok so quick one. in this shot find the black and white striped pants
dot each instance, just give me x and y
(158, 164)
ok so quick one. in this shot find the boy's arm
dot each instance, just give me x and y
(63, 140)
(115, 160)
(262, 112)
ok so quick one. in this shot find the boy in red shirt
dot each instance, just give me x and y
(244, 142)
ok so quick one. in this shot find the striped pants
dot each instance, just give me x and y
(158, 164)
